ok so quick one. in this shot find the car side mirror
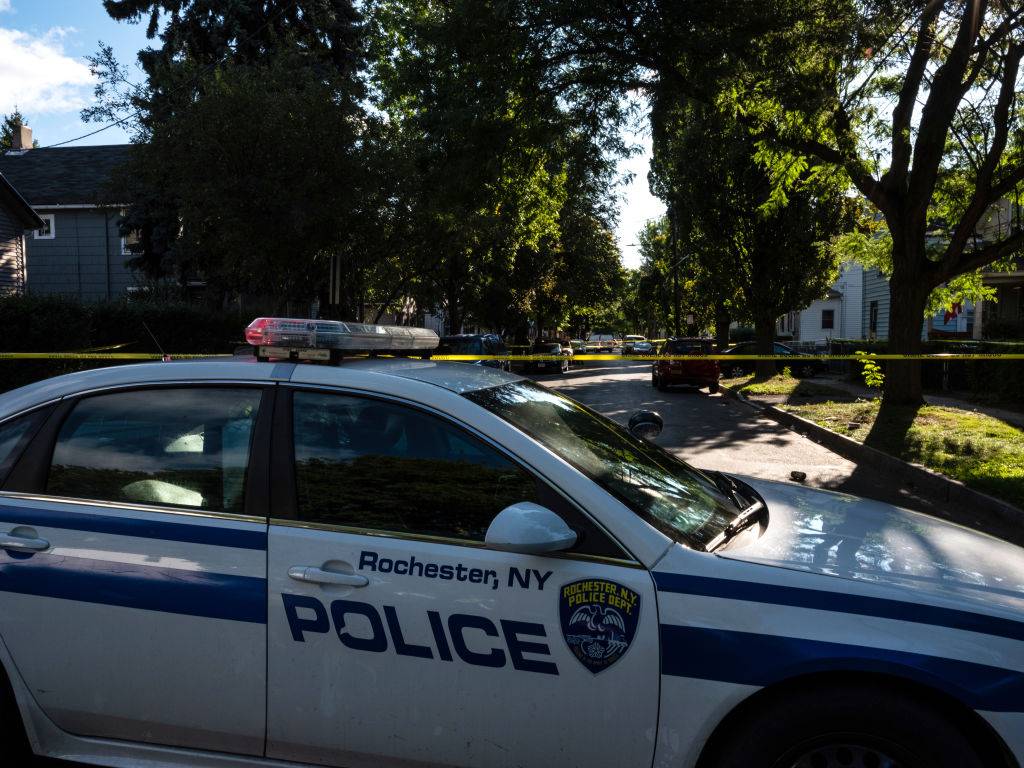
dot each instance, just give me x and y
(529, 529)
(646, 425)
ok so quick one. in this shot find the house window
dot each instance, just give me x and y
(873, 319)
(129, 243)
(828, 318)
(48, 231)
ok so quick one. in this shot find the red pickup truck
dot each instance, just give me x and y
(694, 373)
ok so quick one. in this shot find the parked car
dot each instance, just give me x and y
(733, 369)
(579, 347)
(548, 347)
(694, 373)
(629, 342)
(476, 344)
(643, 348)
(603, 342)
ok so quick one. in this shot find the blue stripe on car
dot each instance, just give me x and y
(839, 602)
(754, 659)
(195, 533)
(128, 585)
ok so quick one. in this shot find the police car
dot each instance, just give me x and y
(400, 562)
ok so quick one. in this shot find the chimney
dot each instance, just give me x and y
(22, 138)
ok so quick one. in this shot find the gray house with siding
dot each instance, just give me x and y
(16, 216)
(78, 250)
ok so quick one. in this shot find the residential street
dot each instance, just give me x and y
(717, 432)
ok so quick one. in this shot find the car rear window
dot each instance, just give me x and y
(677, 347)
(460, 347)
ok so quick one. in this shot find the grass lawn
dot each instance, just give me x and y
(985, 453)
(784, 386)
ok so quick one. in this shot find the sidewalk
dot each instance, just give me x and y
(1016, 418)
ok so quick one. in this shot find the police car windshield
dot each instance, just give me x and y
(668, 493)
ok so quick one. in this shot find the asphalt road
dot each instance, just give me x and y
(717, 432)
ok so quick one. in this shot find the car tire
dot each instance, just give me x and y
(806, 371)
(713, 388)
(852, 725)
(735, 371)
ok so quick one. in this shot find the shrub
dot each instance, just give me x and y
(58, 324)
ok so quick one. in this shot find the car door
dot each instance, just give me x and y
(396, 638)
(133, 566)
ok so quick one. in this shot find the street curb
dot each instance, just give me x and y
(982, 508)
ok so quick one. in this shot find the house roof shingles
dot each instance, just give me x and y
(17, 206)
(66, 175)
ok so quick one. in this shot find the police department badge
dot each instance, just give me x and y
(599, 619)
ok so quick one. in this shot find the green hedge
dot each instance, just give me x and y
(56, 324)
(998, 380)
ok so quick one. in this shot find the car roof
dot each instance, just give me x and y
(456, 377)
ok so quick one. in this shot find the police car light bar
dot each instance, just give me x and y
(285, 336)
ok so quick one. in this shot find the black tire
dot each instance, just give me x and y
(735, 371)
(849, 726)
(713, 388)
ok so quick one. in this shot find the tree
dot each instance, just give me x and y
(508, 190)
(916, 101)
(247, 130)
(762, 254)
(11, 123)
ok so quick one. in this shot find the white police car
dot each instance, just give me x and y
(408, 563)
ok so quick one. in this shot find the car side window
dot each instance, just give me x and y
(186, 447)
(12, 433)
(381, 466)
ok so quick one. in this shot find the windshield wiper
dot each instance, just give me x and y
(741, 522)
(729, 487)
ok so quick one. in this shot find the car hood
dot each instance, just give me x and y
(845, 536)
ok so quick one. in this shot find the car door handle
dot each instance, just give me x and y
(24, 543)
(313, 575)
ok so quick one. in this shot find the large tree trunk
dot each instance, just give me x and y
(764, 337)
(908, 296)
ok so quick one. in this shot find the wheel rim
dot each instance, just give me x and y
(842, 753)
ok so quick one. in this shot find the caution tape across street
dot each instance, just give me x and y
(937, 357)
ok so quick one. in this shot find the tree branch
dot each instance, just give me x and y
(940, 108)
(983, 183)
(970, 260)
(902, 114)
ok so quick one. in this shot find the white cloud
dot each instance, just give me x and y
(37, 76)
(5, 5)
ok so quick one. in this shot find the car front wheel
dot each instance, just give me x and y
(736, 371)
(838, 728)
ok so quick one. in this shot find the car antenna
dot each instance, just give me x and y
(164, 355)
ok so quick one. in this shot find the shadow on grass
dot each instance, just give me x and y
(891, 428)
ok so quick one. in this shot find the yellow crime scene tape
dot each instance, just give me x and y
(941, 357)
(100, 356)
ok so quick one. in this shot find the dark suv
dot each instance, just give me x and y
(476, 344)
(694, 373)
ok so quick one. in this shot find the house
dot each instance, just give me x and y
(78, 249)
(16, 216)
(838, 315)
(857, 307)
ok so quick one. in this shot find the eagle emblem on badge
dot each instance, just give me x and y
(599, 619)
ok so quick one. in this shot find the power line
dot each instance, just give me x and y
(210, 66)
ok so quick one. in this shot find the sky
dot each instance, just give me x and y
(43, 72)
